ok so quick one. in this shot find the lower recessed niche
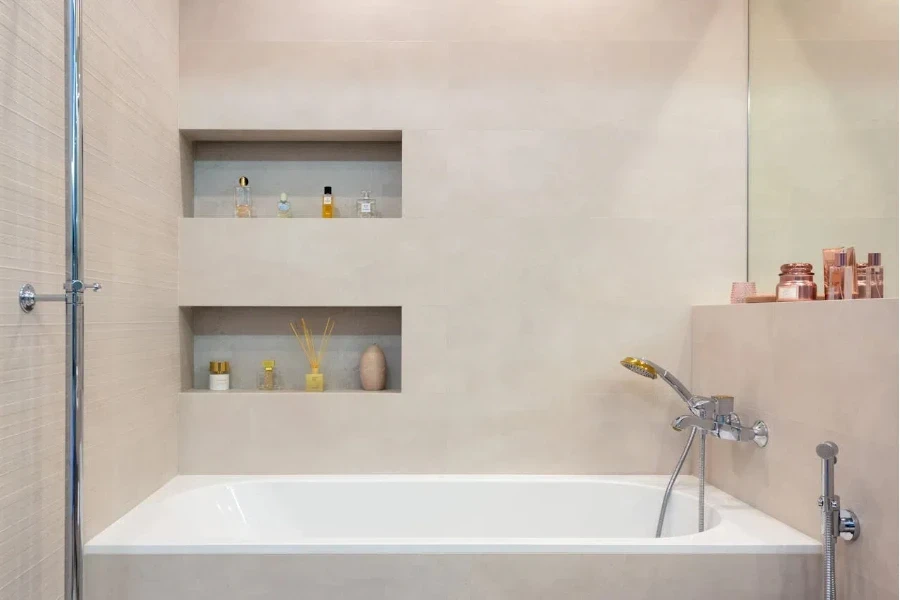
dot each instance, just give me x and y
(246, 336)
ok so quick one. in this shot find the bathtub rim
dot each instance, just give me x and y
(742, 529)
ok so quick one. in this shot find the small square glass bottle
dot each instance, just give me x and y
(874, 276)
(840, 278)
(284, 207)
(365, 206)
(268, 380)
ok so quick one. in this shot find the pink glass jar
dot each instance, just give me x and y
(796, 283)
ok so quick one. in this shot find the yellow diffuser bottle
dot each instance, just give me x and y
(327, 203)
(315, 381)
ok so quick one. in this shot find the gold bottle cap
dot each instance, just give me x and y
(269, 365)
(218, 367)
(243, 182)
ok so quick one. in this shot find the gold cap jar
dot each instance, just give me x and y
(218, 367)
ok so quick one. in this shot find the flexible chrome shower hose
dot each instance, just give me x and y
(830, 591)
(701, 496)
(675, 472)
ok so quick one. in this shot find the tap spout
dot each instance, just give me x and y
(683, 422)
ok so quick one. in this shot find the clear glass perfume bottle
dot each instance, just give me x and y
(840, 278)
(268, 379)
(365, 206)
(284, 207)
(874, 276)
(862, 286)
(830, 255)
(243, 207)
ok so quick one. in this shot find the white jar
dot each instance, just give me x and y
(219, 378)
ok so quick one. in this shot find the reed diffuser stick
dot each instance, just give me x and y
(308, 344)
(303, 345)
(325, 337)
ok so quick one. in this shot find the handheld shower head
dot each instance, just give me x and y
(636, 365)
(651, 370)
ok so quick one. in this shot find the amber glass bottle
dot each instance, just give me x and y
(327, 203)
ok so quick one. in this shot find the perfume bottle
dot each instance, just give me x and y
(861, 286)
(243, 207)
(841, 280)
(327, 203)
(267, 379)
(365, 206)
(851, 262)
(829, 256)
(874, 276)
(284, 207)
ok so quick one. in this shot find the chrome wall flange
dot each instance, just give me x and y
(27, 298)
(760, 434)
(849, 525)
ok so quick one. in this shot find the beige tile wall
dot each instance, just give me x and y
(132, 201)
(573, 180)
(823, 133)
(813, 372)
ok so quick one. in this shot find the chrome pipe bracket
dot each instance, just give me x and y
(28, 297)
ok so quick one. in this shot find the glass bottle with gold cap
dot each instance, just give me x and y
(267, 380)
(243, 206)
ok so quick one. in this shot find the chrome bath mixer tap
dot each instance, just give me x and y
(715, 415)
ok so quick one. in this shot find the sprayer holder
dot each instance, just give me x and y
(844, 522)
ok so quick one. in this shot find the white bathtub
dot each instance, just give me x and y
(439, 514)
(444, 538)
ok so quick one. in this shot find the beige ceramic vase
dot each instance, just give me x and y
(372, 369)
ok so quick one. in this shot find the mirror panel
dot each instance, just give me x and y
(822, 134)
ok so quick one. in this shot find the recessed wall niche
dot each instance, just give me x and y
(245, 336)
(301, 169)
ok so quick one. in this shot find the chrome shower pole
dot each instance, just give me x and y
(74, 288)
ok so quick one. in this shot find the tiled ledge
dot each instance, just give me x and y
(823, 305)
